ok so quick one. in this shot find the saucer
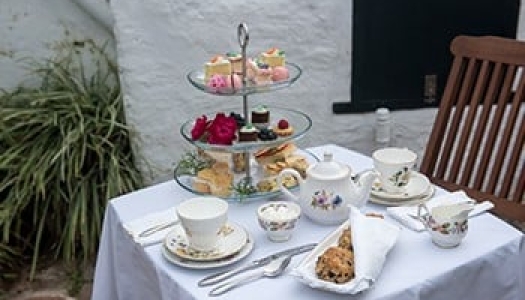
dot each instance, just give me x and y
(231, 240)
(404, 202)
(198, 265)
(417, 186)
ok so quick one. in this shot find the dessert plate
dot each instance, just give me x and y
(300, 121)
(186, 181)
(417, 187)
(232, 239)
(192, 264)
(404, 202)
(196, 78)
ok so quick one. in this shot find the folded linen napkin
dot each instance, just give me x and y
(405, 214)
(138, 226)
(372, 239)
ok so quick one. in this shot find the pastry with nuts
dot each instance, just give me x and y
(337, 264)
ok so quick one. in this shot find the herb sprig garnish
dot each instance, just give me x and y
(191, 163)
(244, 188)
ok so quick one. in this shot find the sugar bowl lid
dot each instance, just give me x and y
(328, 169)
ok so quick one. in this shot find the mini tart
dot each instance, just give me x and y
(283, 132)
(283, 128)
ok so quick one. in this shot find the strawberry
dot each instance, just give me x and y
(283, 124)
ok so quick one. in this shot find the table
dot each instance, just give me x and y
(489, 264)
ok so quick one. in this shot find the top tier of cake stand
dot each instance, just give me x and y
(196, 78)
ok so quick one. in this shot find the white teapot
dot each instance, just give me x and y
(329, 190)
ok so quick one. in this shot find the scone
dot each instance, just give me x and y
(216, 180)
(267, 185)
(335, 265)
(297, 162)
(345, 240)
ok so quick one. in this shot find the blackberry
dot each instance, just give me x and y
(267, 134)
(238, 119)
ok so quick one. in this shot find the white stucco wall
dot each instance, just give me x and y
(159, 41)
(36, 29)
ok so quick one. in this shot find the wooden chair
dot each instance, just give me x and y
(477, 141)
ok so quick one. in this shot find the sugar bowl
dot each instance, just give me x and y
(278, 219)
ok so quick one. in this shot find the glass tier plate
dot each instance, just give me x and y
(300, 122)
(186, 181)
(196, 78)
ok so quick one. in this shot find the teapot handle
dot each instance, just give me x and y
(283, 188)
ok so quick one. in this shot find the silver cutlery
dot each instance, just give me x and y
(271, 270)
(151, 230)
(218, 277)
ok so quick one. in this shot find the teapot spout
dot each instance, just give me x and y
(362, 183)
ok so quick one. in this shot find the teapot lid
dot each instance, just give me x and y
(328, 168)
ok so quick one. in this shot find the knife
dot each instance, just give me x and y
(218, 277)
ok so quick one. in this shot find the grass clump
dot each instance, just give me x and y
(65, 150)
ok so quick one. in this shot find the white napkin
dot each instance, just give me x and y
(403, 214)
(372, 239)
(137, 226)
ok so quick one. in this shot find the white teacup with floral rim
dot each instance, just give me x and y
(394, 166)
(202, 219)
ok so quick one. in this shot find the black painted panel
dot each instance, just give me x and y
(397, 44)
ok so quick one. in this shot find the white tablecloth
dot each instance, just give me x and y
(489, 264)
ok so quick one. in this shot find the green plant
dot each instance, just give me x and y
(64, 152)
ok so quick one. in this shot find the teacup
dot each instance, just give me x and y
(446, 224)
(278, 219)
(202, 219)
(394, 166)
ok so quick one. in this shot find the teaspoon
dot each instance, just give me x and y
(273, 269)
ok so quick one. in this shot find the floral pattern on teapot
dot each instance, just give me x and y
(326, 200)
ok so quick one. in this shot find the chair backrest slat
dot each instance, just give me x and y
(459, 107)
(494, 128)
(489, 99)
(467, 127)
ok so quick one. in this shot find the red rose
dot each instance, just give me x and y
(220, 131)
(199, 128)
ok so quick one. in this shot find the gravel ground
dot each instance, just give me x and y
(51, 283)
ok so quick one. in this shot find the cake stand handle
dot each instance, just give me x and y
(244, 37)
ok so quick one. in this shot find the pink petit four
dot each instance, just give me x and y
(216, 83)
(235, 80)
(280, 73)
(263, 76)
